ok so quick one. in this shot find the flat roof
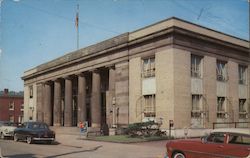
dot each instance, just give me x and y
(186, 25)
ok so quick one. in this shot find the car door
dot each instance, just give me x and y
(211, 147)
(237, 146)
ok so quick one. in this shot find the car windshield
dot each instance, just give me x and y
(38, 126)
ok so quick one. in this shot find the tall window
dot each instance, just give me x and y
(149, 67)
(12, 105)
(221, 71)
(149, 108)
(242, 74)
(11, 118)
(242, 109)
(196, 66)
(31, 91)
(221, 107)
(196, 106)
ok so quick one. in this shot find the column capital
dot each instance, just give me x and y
(49, 82)
(82, 74)
(110, 66)
(67, 77)
(95, 70)
(57, 79)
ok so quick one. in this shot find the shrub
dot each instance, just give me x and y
(144, 129)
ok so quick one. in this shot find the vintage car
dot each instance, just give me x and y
(220, 143)
(34, 131)
(7, 129)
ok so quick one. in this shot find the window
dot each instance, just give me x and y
(149, 108)
(31, 91)
(242, 74)
(149, 67)
(239, 139)
(221, 71)
(22, 107)
(196, 106)
(221, 107)
(196, 66)
(12, 105)
(216, 138)
(11, 118)
(242, 109)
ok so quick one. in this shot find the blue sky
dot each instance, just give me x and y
(36, 31)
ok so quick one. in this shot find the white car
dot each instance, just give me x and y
(7, 129)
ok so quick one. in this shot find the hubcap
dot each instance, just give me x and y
(29, 139)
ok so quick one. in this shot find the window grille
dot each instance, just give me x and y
(149, 105)
(242, 74)
(221, 71)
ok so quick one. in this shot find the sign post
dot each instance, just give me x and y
(171, 124)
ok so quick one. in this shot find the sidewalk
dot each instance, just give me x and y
(154, 149)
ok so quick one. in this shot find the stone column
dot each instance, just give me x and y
(112, 78)
(47, 104)
(96, 99)
(110, 105)
(68, 103)
(57, 103)
(81, 99)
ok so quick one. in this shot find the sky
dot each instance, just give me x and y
(33, 32)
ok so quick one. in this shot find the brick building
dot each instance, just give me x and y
(11, 106)
(171, 70)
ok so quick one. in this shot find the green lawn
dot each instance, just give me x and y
(126, 139)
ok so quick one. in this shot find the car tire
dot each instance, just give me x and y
(29, 140)
(2, 136)
(15, 137)
(178, 155)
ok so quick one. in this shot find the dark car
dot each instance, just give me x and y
(34, 131)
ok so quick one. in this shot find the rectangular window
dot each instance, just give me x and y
(22, 107)
(221, 112)
(196, 66)
(31, 91)
(221, 71)
(242, 74)
(242, 109)
(196, 106)
(12, 105)
(149, 105)
(148, 67)
(11, 118)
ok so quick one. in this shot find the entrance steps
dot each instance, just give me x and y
(92, 131)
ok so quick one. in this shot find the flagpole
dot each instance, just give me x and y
(77, 27)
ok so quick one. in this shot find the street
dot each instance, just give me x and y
(71, 146)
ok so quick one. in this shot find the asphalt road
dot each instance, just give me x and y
(88, 149)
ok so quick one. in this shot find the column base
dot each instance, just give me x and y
(96, 125)
(57, 125)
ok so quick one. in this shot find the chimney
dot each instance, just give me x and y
(6, 91)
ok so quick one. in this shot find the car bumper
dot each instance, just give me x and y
(44, 139)
(10, 134)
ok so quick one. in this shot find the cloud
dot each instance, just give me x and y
(16, 0)
(0, 52)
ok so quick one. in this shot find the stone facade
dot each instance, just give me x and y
(144, 75)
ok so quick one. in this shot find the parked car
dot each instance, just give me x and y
(7, 129)
(220, 143)
(34, 131)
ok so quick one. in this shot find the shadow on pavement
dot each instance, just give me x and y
(74, 152)
(20, 156)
